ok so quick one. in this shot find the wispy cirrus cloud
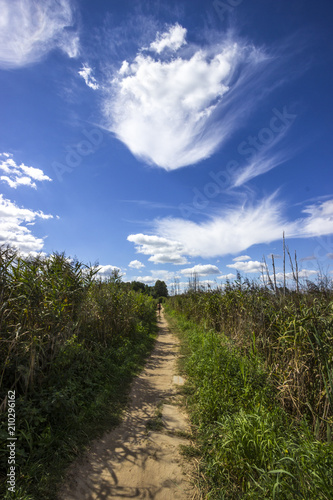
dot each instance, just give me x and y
(231, 231)
(318, 220)
(86, 73)
(13, 230)
(234, 230)
(264, 151)
(263, 162)
(175, 107)
(19, 175)
(30, 29)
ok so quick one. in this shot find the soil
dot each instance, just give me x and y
(140, 458)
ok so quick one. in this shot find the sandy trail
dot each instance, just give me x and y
(130, 461)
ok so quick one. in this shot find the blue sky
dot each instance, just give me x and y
(168, 138)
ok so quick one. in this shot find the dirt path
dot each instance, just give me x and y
(133, 461)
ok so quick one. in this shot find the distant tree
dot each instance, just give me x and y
(137, 286)
(160, 289)
(149, 290)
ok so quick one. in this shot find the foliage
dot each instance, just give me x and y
(291, 333)
(160, 289)
(69, 346)
(249, 446)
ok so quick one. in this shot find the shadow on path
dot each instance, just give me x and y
(130, 462)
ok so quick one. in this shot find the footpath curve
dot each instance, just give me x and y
(132, 461)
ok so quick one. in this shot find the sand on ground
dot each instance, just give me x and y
(132, 461)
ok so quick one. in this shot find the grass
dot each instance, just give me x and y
(250, 447)
(291, 333)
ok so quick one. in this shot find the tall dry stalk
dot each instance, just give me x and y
(274, 273)
(284, 264)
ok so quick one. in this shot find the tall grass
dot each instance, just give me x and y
(292, 333)
(69, 346)
(248, 446)
(259, 360)
(40, 299)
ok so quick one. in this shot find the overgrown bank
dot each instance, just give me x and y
(251, 442)
(70, 346)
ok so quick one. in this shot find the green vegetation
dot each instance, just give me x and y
(69, 347)
(259, 364)
(160, 288)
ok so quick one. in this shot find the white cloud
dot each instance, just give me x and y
(262, 162)
(172, 39)
(201, 270)
(20, 175)
(162, 250)
(319, 221)
(177, 110)
(252, 266)
(304, 273)
(229, 276)
(19, 181)
(30, 29)
(86, 73)
(148, 244)
(149, 280)
(161, 274)
(208, 283)
(106, 271)
(241, 258)
(13, 230)
(136, 264)
(175, 259)
(70, 44)
(233, 230)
